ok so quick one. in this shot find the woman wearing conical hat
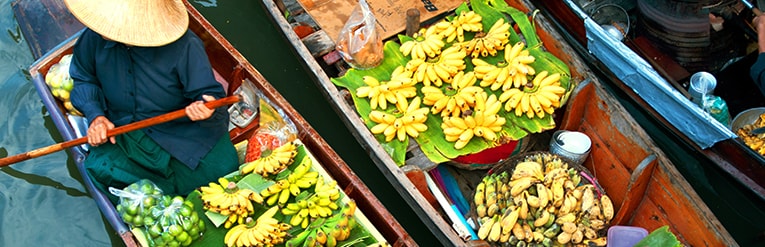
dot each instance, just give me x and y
(135, 60)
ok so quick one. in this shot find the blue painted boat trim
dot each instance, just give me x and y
(638, 74)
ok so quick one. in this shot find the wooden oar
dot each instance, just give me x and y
(113, 132)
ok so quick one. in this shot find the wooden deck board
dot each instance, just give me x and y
(44, 24)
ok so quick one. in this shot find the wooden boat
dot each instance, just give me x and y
(667, 80)
(735, 168)
(648, 190)
(231, 69)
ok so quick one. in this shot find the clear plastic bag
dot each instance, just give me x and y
(136, 201)
(360, 43)
(275, 130)
(176, 223)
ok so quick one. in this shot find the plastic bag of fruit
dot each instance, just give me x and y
(275, 130)
(136, 201)
(176, 223)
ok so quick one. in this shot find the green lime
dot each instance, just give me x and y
(158, 241)
(182, 237)
(167, 237)
(133, 209)
(133, 187)
(186, 211)
(149, 201)
(187, 225)
(138, 220)
(178, 200)
(194, 232)
(155, 231)
(67, 84)
(127, 218)
(187, 242)
(173, 243)
(148, 221)
(175, 230)
(201, 226)
(189, 203)
(194, 217)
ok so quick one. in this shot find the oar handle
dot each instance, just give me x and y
(113, 132)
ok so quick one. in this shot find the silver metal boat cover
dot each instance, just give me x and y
(638, 74)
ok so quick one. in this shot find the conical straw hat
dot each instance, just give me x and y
(133, 22)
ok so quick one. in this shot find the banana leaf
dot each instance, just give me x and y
(432, 142)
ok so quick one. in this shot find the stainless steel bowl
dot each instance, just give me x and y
(748, 116)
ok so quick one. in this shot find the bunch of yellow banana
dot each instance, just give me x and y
(438, 70)
(542, 203)
(396, 91)
(330, 231)
(487, 44)
(265, 231)
(300, 178)
(483, 122)
(466, 21)
(541, 96)
(411, 123)
(455, 99)
(423, 45)
(274, 162)
(318, 205)
(509, 73)
(227, 199)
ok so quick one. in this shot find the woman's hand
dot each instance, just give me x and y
(97, 131)
(198, 111)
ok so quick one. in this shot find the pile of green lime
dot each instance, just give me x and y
(136, 201)
(166, 220)
(176, 222)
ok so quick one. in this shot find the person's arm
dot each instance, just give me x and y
(759, 25)
(196, 74)
(86, 95)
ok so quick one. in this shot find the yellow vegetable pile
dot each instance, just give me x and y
(542, 202)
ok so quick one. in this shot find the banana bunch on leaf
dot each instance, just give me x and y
(227, 199)
(542, 201)
(264, 231)
(479, 50)
(300, 178)
(328, 231)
